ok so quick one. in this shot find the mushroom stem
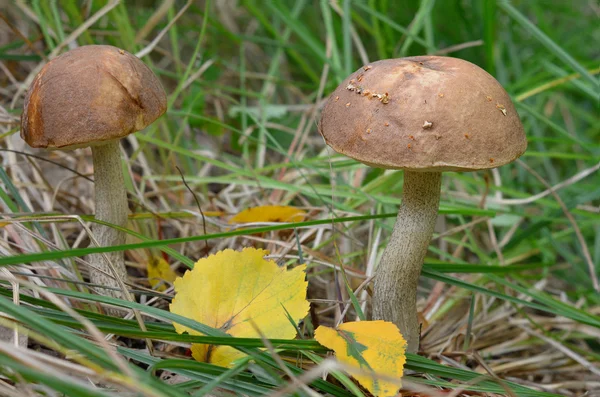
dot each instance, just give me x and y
(111, 207)
(395, 290)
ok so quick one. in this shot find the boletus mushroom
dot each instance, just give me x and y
(94, 96)
(424, 115)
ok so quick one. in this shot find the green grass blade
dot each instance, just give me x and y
(546, 41)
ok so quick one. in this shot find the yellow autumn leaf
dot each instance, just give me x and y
(269, 213)
(158, 272)
(240, 292)
(376, 346)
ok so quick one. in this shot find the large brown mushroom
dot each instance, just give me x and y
(425, 115)
(94, 96)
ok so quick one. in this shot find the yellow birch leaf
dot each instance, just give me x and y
(159, 270)
(269, 213)
(237, 291)
(376, 346)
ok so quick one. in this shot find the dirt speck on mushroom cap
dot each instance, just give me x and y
(90, 95)
(414, 85)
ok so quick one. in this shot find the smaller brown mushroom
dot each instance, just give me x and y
(452, 96)
(94, 96)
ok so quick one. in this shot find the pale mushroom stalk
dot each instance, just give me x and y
(395, 290)
(111, 207)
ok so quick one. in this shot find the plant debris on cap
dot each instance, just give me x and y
(90, 95)
(450, 94)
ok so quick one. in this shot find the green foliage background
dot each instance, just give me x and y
(263, 68)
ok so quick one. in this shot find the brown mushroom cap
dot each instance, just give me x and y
(423, 113)
(90, 95)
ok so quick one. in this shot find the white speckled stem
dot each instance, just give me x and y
(395, 290)
(111, 206)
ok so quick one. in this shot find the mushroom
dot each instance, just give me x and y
(440, 114)
(94, 96)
